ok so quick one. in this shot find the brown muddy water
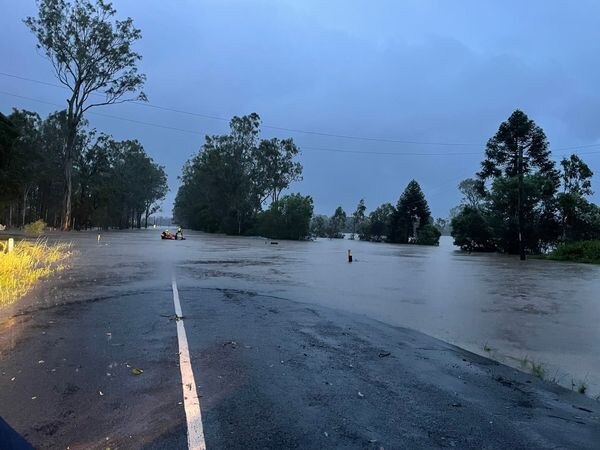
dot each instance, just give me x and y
(541, 312)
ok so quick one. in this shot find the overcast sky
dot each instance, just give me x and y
(422, 71)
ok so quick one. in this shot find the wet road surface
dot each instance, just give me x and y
(271, 372)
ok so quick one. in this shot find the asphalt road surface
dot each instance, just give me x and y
(93, 359)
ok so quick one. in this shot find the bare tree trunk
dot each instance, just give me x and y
(520, 205)
(10, 207)
(67, 196)
(69, 151)
(25, 192)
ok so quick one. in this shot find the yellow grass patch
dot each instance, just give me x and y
(28, 263)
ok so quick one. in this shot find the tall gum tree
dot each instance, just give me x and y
(91, 54)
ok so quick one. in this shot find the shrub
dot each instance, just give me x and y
(471, 231)
(36, 227)
(578, 251)
(288, 218)
(428, 235)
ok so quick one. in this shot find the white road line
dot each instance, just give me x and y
(191, 402)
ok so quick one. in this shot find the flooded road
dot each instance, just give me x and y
(538, 311)
(293, 347)
(543, 312)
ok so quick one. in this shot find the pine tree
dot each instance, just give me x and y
(519, 148)
(412, 214)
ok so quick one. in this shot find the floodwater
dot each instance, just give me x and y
(544, 312)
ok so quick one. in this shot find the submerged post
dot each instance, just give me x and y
(349, 256)
(11, 245)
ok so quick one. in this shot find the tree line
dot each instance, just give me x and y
(520, 201)
(410, 221)
(113, 183)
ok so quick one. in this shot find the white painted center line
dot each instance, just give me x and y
(191, 402)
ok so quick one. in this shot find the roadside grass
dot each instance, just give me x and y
(28, 263)
(581, 386)
(536, 369)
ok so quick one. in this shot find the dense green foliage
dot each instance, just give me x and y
(224, 186)
(358, 218)
(428, 235)
(412, 214)
(287, 218)
(576, 251)
(336, 224)
(114, 183)
(514, 205)
(91, 53)
(409, 222)
(378, 225)
(318, 226)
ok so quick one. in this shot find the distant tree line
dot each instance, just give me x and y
(409, 221)
(520, 201)
(226, 185)
(114, 183)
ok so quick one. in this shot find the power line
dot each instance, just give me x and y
(324, 149)
(273, 127)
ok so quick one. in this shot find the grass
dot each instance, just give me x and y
(536, 369)
(580, 387)
(576, 251)
(26, 264)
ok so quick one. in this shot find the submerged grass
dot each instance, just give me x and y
(28, 263)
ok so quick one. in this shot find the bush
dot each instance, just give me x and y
(577, 251)
(428, 235)
(288, 218)
(471, 231)
(36, 227)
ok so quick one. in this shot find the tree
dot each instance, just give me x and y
(287, 218)
(25, 160)
(576, 176)
(540, 226)
(378, 226)
(411, 215)
(472, 191)
(276, 166)
(224, 186)
(428, 235)
(336, 224)
(443, 226)
(8, 135)
(471, 231)
(358, 217)
(518, 148)
(91, 53)
(318, 225)
(575, 210)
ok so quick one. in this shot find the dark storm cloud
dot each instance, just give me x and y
(421, 71)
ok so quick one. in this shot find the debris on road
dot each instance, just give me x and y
(361, 395)
(233, 344)
(137, 371)
(384, 354)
